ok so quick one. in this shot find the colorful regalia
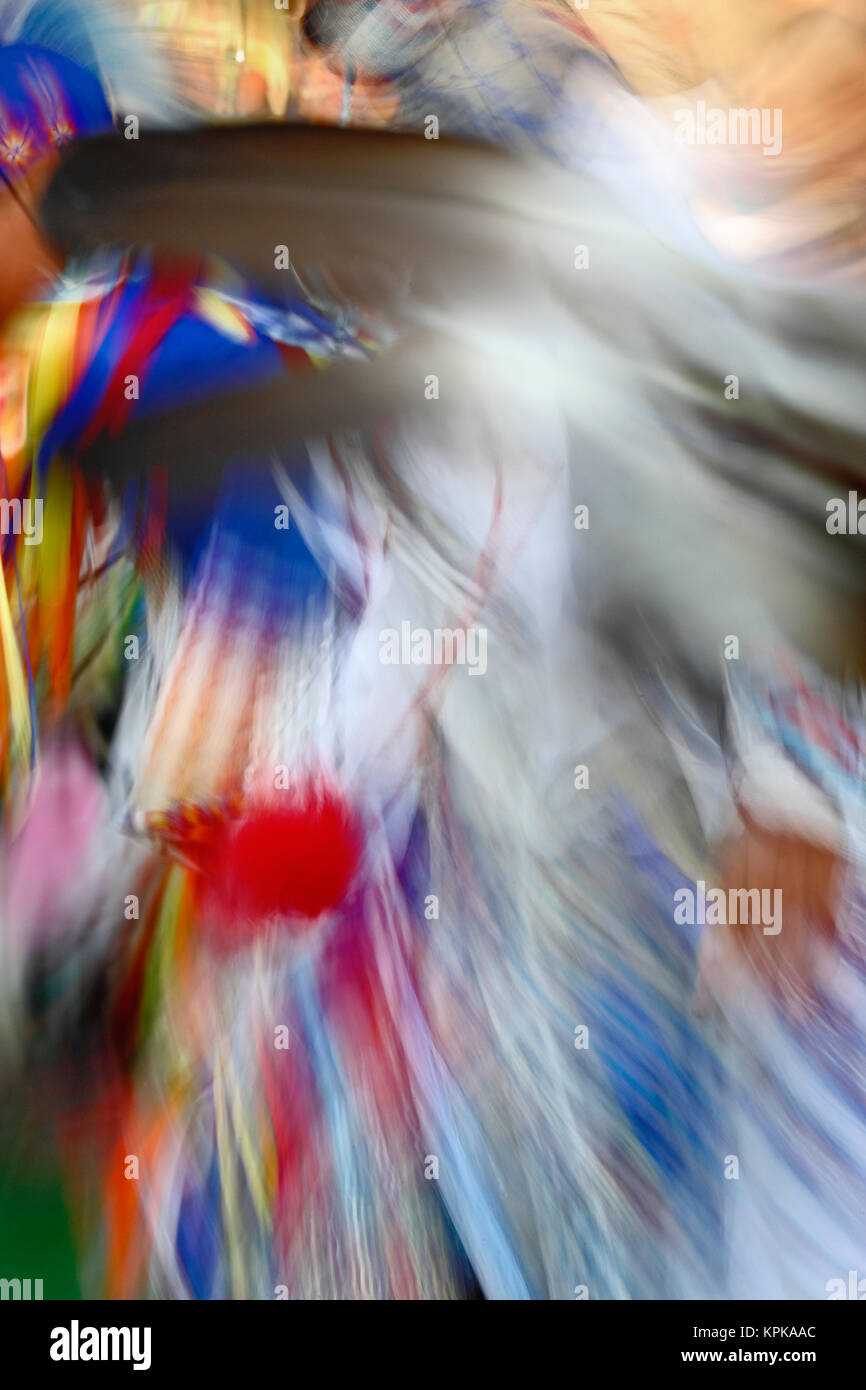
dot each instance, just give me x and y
(337, 976)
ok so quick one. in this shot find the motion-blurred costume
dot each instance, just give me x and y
(364, 967)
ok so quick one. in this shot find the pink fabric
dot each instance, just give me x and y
(44, 863)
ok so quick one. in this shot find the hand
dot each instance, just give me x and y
(809, 876)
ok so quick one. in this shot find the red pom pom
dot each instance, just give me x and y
(296, 860)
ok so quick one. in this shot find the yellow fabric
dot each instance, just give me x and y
(37, 359)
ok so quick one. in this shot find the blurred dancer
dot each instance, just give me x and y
(373, 951)
(249, 597)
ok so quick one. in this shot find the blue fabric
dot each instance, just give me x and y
(45, 102)
(195, 361)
